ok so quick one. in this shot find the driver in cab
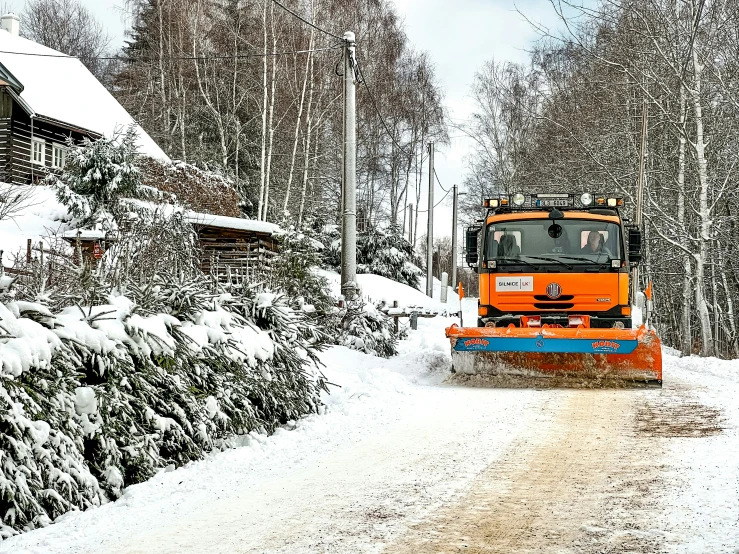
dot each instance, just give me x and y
(594, 244)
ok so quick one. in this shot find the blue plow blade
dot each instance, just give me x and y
(545, 345)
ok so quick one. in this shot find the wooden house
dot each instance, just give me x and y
(232, 246)
(47, 98)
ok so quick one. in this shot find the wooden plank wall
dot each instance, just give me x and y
(5, 149)
(230, 254)
(21, 170)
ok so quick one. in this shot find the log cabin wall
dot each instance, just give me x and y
(16, 130)
(6, 113)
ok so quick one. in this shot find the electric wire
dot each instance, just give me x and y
(288, 10)
(437, 180)
(145, 58)
(379, 114)
(389, 134)
(435, 205)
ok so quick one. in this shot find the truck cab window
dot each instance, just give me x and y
(594, 242)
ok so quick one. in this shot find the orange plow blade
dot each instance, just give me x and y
(598, 354)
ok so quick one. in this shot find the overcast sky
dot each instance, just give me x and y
(459, 35)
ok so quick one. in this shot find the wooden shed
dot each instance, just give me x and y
(232, 245)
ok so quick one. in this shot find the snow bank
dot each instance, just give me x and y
(701, 507)
(41, 217)
(376, 289)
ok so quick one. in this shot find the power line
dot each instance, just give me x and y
(141, 59)
(435, 205)
(389, 134)
(437, 180)
(382, 119)
(288, 10)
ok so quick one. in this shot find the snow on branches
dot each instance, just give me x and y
(97, 174)
(96, 397)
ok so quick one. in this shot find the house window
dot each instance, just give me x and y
(58, 156)
(38, 151)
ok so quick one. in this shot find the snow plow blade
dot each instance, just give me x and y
(585, 354)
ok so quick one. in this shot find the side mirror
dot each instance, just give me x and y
(470, 246)
(634, 245)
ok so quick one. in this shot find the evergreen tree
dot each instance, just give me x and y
(96, 175)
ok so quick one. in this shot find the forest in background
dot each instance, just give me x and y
(208, 81)
(202, 78)
(571, 118)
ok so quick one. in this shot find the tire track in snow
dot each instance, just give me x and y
(361, 496)
(589, 484)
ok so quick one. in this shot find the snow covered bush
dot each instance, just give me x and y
(294, 270)
(43, 472)
(199, 189)
(103, 394)
(96, 175)
(380, 252)
(363, 327)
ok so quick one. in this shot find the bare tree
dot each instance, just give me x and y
(69, 27)
(14, 199)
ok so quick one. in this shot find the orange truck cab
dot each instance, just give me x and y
(560, 260)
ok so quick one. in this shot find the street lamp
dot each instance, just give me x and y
(455, 197)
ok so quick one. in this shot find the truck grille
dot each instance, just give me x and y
(553, 306)
(562, 298)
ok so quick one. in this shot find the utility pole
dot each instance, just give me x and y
(454, 237)
(640, 195)
(349, 181)
(410, 224)
(430, 228)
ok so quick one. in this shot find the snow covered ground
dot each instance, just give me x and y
(40, 217)
(400, 460)
(701, 481)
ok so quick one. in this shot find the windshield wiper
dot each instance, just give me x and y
(596, 261)
(513, 260)
(555, 260)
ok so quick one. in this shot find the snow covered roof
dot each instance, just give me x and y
(84, 234)
(61, 88)
(235, 223)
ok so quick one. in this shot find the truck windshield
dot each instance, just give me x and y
(573, 241)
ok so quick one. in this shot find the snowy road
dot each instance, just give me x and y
(403, 463)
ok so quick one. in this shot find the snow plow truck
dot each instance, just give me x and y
(554, 295)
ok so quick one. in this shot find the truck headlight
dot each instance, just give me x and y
(616, 263)
(519, 199)
(586, 199)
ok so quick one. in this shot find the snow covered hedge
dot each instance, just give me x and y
(95, 398)
(362, 327)
(384, 252)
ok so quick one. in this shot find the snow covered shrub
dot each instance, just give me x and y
(176, 368)
(96, 175)
(291, 372)
(363, 327)
(43, 473)
(199, 189)
(380, 252)
(153, 241)
(294, 272)
(101, 395)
